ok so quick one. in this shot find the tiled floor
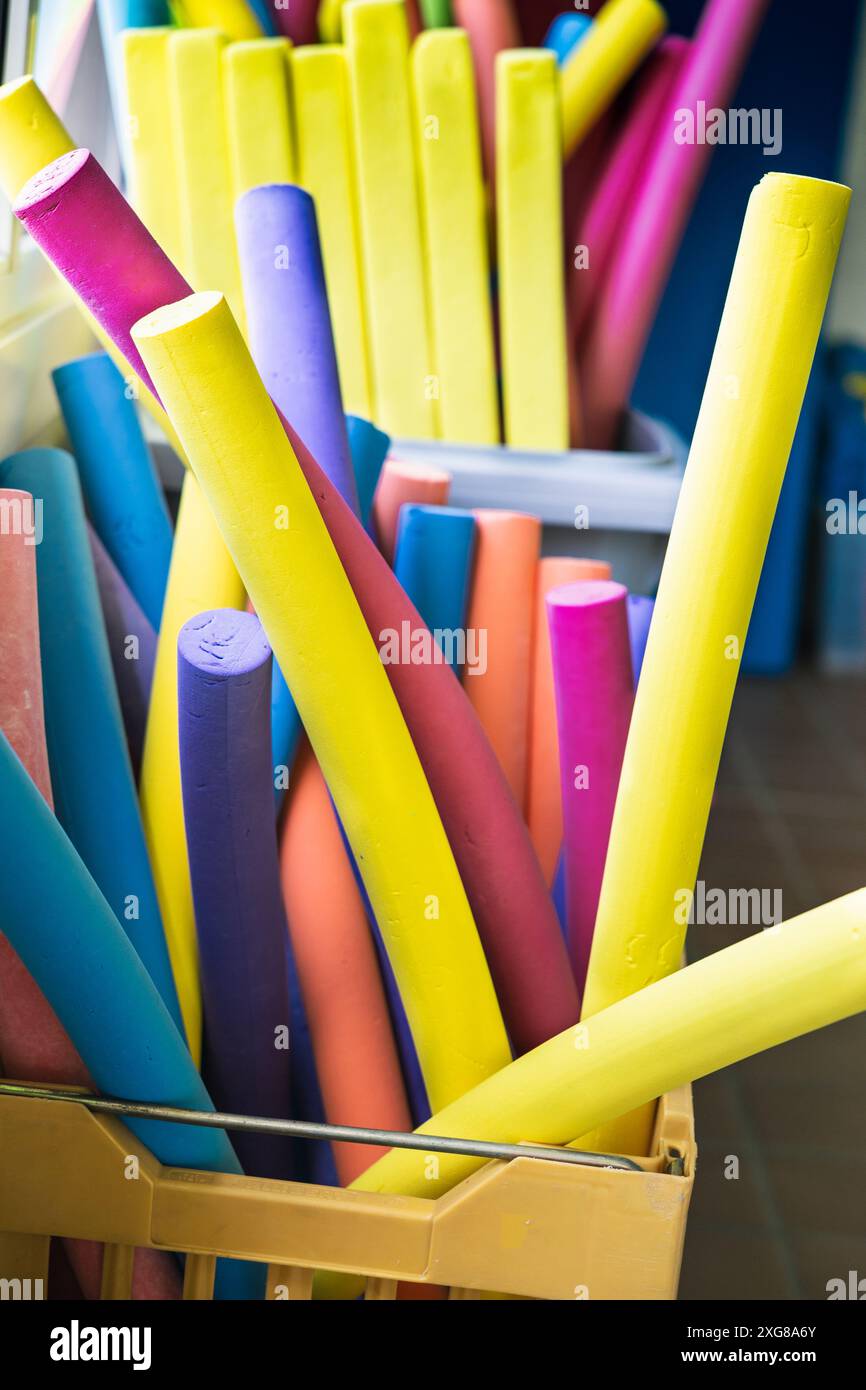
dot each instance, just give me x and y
(789, 814)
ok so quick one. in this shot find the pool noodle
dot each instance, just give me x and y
(775, 985)
(436, 14)
(622, 34)
(356, 1059)
(492, 26)
(543, 803)
(123, 492)
(454, 216)
(530, 251)
(513, 910)
(289, 323)
(63, 216)
(400, 483)
(600, 221)
(132, 666)
(324, 647)
(234, 18)
(403, 369)
(502, 605)
(748, 417)
(657, 215)
(296, 20)
(433, 562)
(99, 988)
(200, 127)
(326, 168)
(640, 612)
(368, 447)
(224, 684)
(256, 77)
(32, 136)
(594, 693)
(90, 769)
(565, 33)
(150, 159)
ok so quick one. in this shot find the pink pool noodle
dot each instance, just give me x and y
(398, 484)
(591, 651)
(491, 26)
(629, 297)
(33, 1044)
(599, 221)
(513, 911)
(297, 19)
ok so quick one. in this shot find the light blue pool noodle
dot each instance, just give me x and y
(565, 33)
(369, 448)
(71, 943)
(114, 16)
(640, 611)
(91, 774)
(124, 496)
(433, 561)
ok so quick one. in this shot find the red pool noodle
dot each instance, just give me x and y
(513, 911)
(491, 26)
(297, 20)
(600, 220)
(616, 338)
(33, 1043)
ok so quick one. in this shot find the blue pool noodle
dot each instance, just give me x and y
(94, 790)
(368, 447)
(124, 496)
(640, 611)
(115, 16)
(433, 561)
(565, 33)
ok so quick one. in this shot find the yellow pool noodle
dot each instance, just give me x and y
(326, 168)
(31, 136)
(258, 109)
(775, 985)
(154, 188)
(377, 40)
(210, 257)
(201, 576)
(751, 405)
(529, 235)
(273, 527)
(455, 226)
(234, 18)
(330, 21)
(620, 37)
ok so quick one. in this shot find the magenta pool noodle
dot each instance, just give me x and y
(289, 322)
(133, 674)
(592, 674)
(224, 692)
(657, 215)
(100, 247)
(601, 220)
(640, 612)
(124, 495)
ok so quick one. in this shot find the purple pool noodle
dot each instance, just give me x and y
(592, 674)
(289, 322)
(640, 612)
(132, 663)
(224, 684)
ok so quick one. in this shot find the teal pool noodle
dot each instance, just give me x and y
(433, 561)
(71, 943)
(94, 791)
(368, 447)
(123, 493)
(565, 33)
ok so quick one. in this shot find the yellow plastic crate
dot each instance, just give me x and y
(531, 1228)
